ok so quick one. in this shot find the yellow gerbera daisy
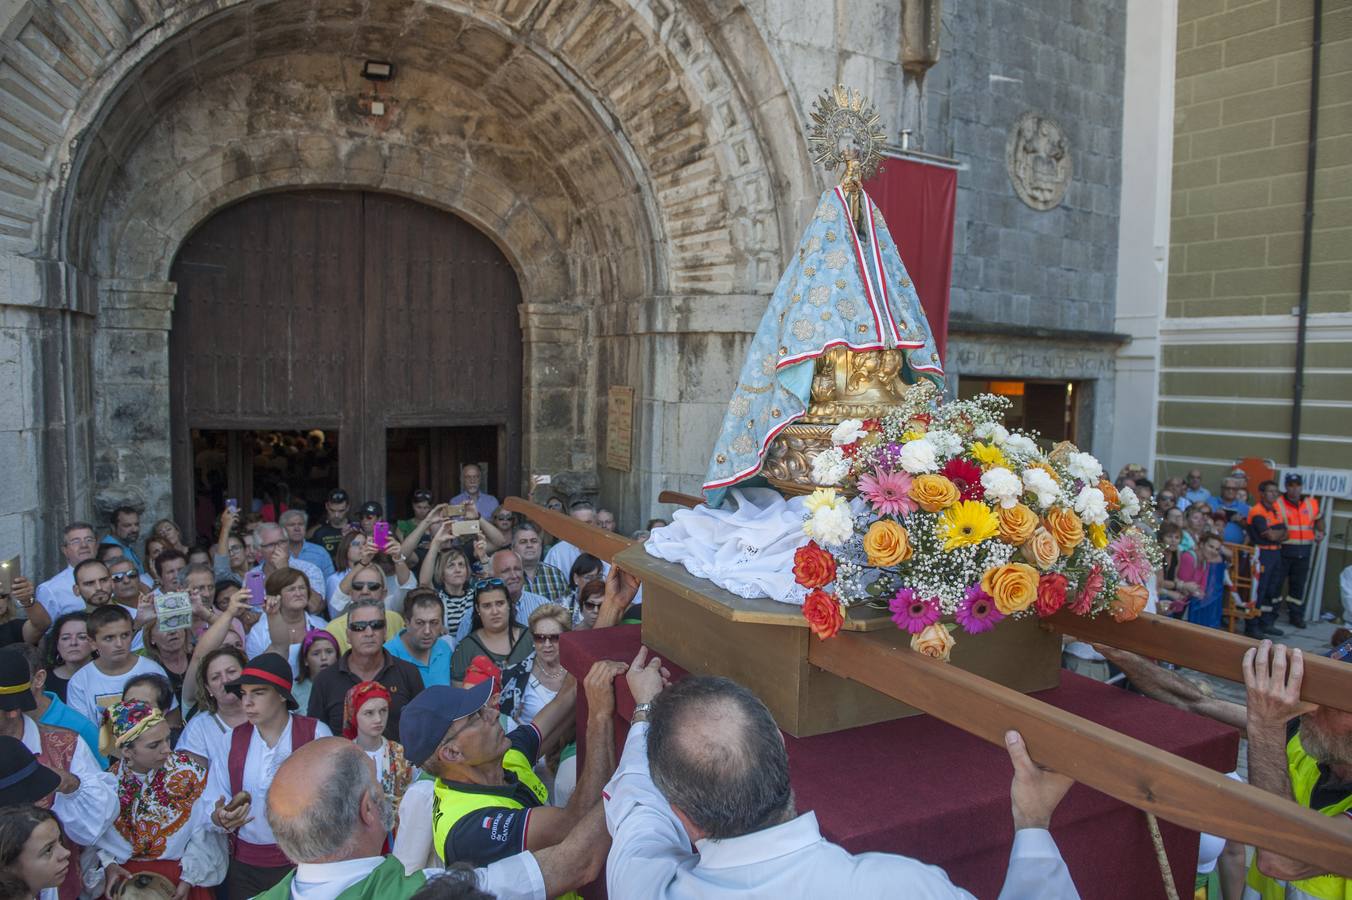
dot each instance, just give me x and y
(968, 522)
(988, 455)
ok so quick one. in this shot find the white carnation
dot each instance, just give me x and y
(848, 432)
(1131, 504)
(829, 467)
(946, 443)
(918, 456)
(1037, 481)
(830, 526)
(1092, 506)
(1020, 444)
(1002, 486)
(1084, 467)
(993, 432)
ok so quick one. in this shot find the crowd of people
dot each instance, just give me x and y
(359, 708)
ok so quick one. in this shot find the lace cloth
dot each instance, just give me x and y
(747, 550)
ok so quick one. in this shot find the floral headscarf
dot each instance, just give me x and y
(356, 697)
(124, 722)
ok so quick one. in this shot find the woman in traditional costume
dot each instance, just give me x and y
(365, 711)
(155, 829)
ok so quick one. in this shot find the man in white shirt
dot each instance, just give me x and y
(563, 554)
(98, 685)
(57, 594)
(719, 785)
(330, 813)
(241, 771)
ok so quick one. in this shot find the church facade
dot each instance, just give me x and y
(619, 184)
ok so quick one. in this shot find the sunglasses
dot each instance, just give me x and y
(374, 625)
(547, 638)
(366, 585)
(488, 584)
(123, 576)
(591, 605)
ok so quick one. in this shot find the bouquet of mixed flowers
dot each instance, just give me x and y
(958, 518)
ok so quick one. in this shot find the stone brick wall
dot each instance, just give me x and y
(1241, 127)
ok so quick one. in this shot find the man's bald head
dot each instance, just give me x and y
(324, 804)
(717, 755)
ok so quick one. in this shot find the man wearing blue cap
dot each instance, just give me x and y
(488, 803)
(1296, 749)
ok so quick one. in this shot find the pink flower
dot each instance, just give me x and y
(1093, 584)
(912, 613)
(889, 492)
(1129, 559)
(977, 613)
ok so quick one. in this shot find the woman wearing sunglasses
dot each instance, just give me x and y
(494, 633)
(547, 625)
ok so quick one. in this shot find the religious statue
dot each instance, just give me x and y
(844, 336)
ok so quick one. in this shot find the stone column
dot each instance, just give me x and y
(132, 425)
(556, 416)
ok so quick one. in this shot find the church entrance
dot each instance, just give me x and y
(375, 321)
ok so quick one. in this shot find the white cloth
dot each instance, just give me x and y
(202, 732)
(90, 691)
(308, 569)
(260, 767)
(85, 813)
(202, 851)
(526, 604)
(651, 856)
(394, 593)
(534, 699)
(747, 550)
(514, 878)
(413, 843)
(260, 639)
(57, 594)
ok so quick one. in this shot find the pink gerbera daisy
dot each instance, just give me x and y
(889, 492)
(977, 613)
(1130, 560)
(966, 476)
(912, 613)
(1093, 583)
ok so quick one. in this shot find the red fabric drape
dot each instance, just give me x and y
(919, 202)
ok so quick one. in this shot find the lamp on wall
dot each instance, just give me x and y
(377, 70)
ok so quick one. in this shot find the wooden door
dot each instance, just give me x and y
(347, 310)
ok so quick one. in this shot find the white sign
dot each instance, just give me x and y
(1336, 483)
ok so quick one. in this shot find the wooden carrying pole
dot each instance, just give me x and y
(1125, 768)
(1130, 770)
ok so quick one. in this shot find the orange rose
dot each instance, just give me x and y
(1066, 527)
(887, 543)
(934, 492)
(1012, 586)
(1129, 602)
(935, 641)
(813, 567)
(1016, 524)
(822, 611)
(1110, 494)
(1041, 549)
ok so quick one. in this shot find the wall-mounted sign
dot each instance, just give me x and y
(1336, 483)
(620, 428)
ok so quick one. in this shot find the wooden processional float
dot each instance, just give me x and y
(868, 673)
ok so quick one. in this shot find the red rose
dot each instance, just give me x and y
(822, 611)
(872, 425)
(1051, 594)
(813, 567)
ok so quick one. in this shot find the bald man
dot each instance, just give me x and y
(329, 813)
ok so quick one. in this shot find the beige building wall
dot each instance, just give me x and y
(1229, 335)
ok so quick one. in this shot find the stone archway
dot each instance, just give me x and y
(653, 192)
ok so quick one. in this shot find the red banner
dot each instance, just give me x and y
(919, 202)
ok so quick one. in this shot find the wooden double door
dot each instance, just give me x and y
(350, 311)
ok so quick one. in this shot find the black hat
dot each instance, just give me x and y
(337, 495)
(371, 508)
(22, 778)
(16, 682)
(1293, 478)
(423, 494)
(269, 669)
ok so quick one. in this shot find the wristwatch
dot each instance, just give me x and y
(640, 713)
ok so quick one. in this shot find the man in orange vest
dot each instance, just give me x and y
(1267, 533)
(1300, 515)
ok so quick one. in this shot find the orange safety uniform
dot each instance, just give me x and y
(1299, 519)
(1273, 519)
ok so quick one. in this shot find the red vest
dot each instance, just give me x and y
(261, 855)
(58, 749)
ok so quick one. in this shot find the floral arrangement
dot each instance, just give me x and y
(959, 523)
